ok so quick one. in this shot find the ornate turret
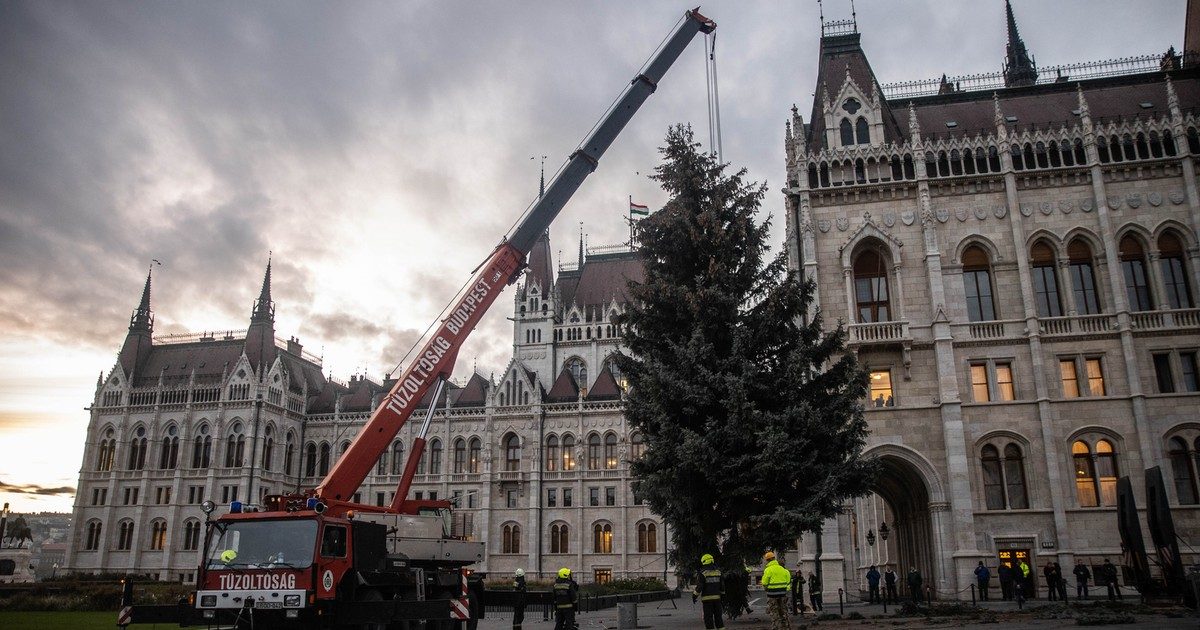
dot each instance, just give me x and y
(260, 338)
(138, 342)
(1019, 65)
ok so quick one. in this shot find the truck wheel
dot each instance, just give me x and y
(371, 595)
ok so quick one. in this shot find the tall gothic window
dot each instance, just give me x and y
(191, 535)
(125, 535)
(1096, 473)
(847, 132)
(168, 457)
(94, 536)
(397, 457)
(871, 288)
(1045, 281)
(289, 452)
(593, 451)
(512, 453)
(602, 538)
(460, 455)
(435, 457)
(1133, 268)
(568, 452)
(235, 447)
(268, 453)
(511, 539)
(137, 450)
(560, 534)
(552, 453)
(578, 371)
(610, 451)
(323, 462)
(1004, 478)
(637, 446)
(1174, 271)
(474, 455)
(648, 535)
(1183, 467)
(310, 460)
(158, 535)
(862, 130)
(1083, 278)
(108, 451)
(977, 284)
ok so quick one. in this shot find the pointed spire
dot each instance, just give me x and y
(1084, 110)
(914, 126)
(542, 180)
(581, 244)
(142, 319)
(1172, 97)
(1019, 66)
(997, 115)
(264, 308)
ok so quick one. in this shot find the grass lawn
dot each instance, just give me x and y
(62, 621)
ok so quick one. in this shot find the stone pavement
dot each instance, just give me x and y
(688, 617)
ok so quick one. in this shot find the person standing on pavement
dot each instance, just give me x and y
(1051, 586)
(1024, 580)
(889, 583)
(566, 596)
(777, 581)
(982, 577)
(1082, 575)
(914, 584)
(873, 585)
(815, 594)
(1005, 572)
(520, 591)
(798, 591)
(710, 589)
(1060, 582)
(1110, 580)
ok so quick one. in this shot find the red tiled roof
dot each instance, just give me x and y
(474, 394)
(605, 387)
(564, 389)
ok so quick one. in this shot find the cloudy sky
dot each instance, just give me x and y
(379, 150)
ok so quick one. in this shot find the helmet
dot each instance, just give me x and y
(228, 555)
(706, 559)
(519, 572)
(564, 572)
(770, 555)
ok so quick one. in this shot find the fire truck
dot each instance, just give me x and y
(318, 559)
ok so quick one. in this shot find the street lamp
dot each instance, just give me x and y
(884, 531)
(871, 536)
(53, 570)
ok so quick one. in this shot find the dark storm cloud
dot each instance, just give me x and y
(206, 134)
(36, 489)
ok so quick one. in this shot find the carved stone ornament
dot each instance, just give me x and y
(1134, 200)
(1000, 211)
(824, 225)
(1026, 210)
(1046, 207)
(908, 217)
(843, 223)
(1066, 206)
(1176, 196)
(1154, 199)
(1087, 205)
(960, 214)
(980, 213)
(889, 219)
(1114, 202)
(943, 215)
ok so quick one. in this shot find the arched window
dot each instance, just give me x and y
(1085, 474)
(1107, 472)
(1168, 143)
(460, 455)
(1156, 149)
(1128, 148)
(552, 453)
(1143, 151)
(610, 451)
(168, 457)
(559, 538)
(977, 284)
(1174, 271)
(235, 447)
(847, 132)
(993, 478)
(1014, 477)
(637, 446)
(511, 538)
(191, 535)
(512, 452)
(345, 447)
(568, 452)
(862, 130)
(1133, 267)
(1193, 141)
(602, 538)
(94, 535)
(1045, 281)
(289, 451)
(323, 463)
(268, 453)
(397, 457)
(1102, 149)
(381, 465)
(593, 451)
(137, 449)
(435, 457)
(1096, 473)
(107, 452)
(578, 371)
(1083, 278)
(474, 450)
(812, 176)
(310, 460)
(158, 535)
(1183, 467)
(647, 537)
(125, 535)
(871, 288)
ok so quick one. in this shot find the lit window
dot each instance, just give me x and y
(881, 389)
(602, 538)
(1070, 381)
(871, 288)
(979, 382)
(1004, 382)
(1095, 376)
(1085, 474)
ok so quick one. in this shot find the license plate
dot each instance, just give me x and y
(261, 604)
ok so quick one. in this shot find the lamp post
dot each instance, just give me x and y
(871, 537)
(883, 532)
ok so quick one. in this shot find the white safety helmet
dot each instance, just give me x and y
(519, 572)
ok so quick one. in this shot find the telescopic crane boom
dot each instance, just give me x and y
(434, 363)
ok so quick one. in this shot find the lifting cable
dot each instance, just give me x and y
(714, 100)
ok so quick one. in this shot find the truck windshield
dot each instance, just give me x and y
(262, 544)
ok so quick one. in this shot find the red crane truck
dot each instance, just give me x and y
(320, 560)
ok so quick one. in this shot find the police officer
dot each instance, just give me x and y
(710, 589)
(519, 590)
(777, 581)
(566, 595)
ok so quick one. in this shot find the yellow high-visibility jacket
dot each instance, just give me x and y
(776, 579)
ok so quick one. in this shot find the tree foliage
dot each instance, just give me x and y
(752, 416)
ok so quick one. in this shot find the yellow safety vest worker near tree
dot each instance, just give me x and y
(777, 581)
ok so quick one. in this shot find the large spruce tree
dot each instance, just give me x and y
(752, 416)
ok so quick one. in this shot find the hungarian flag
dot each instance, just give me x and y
(638, 209)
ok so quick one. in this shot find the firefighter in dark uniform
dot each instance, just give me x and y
(710, 589)
(566, 595)
(520, 590)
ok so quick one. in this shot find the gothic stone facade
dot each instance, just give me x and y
(1017, 268)
(537, 463)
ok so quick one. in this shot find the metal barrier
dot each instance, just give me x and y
(543, 601)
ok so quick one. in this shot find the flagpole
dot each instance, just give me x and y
(630, 222)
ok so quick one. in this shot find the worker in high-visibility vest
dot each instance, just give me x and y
(566, 595)
(710, 589)
(777, 581)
